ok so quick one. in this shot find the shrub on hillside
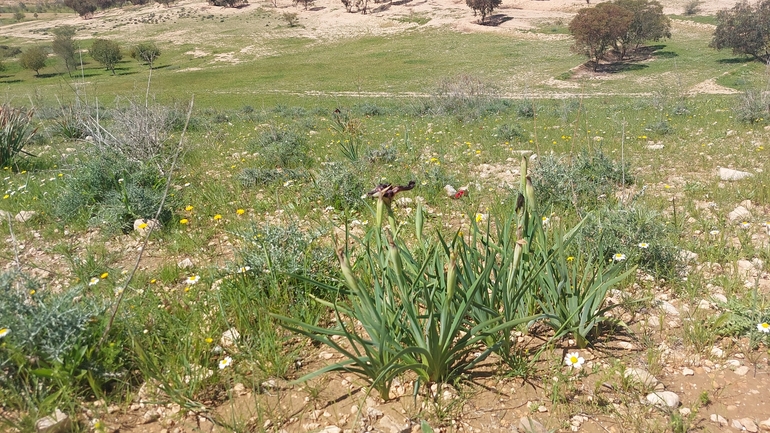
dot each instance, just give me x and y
(281, 148)
(111, 192)
(48, 351)
(279, 250)
(752, 106)
(581, 182)
(339, 186)
(636, 232)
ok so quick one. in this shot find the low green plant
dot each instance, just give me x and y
(510, 132)
(278, 250)
(339, 186)
(425, 309)
(573, 293)
(384, 154)
(281, 148)
(70, 123)
(636, 232)
(743, 316)
(581, 182)
(48, 353)
(109, 191)
(15, 133)
(752, 107)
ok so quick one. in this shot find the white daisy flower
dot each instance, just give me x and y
(225, 362)
(763, 327)
(574, 360)
(193, 279)
(619, 257)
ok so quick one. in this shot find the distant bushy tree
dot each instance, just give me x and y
(483, 7)
(64, 46)
(84, 8)
(107, 53)
(145, 52)
(228, 3)
(34, 58)
(598, 29)
(745, 29)
(648, 24)
(305, 3)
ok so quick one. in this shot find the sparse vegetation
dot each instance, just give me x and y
(628, 255)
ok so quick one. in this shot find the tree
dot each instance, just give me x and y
(19, 16)
(84, 8)
(64, 46)
(483, 7)
(107, 53)
(34, 58)
(303, 2)
(229, 3)
(745, 29)
(597, 29)
(145, 52)
(648, 24)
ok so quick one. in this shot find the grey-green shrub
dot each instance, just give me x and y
(590, 178)
(621, 230)
(111, 192)
(337, 185)
(752, 106)
(281, 148)
(284, 249)
(44, 323)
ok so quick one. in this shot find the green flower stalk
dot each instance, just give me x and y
(381, 207)
(451, 277)
(529, 192)
(347, 272)
(418, 223)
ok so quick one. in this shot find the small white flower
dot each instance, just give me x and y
(193, 279)
(619, 257)
(714, 232)
(4, 332)
(225, 362)
(574, 360)
(244, 269)
(643, 245)
(546, 220)
(745, 224)
(93, 281)
(763, 327)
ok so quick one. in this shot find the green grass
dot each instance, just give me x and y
(290, 66)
